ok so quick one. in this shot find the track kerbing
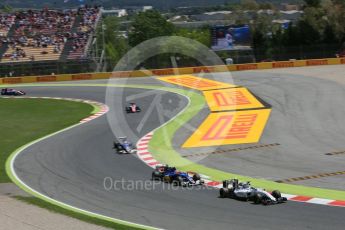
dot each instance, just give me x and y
(144, 154)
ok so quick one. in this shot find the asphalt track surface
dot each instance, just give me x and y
(71, 167)
(307, 121)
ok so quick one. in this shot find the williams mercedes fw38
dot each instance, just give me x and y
(244, 191)
(133, 108)
(171, 175)
(122, 145)
(12, 92)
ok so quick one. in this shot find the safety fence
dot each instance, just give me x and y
(173, 71)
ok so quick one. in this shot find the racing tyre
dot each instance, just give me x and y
(276, 194)
(265, 202)
(167, 179)
(257, 198)
(179, 181)
(156, 175)
(196, 177)
(224, 192)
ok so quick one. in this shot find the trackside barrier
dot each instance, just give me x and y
(173, 71)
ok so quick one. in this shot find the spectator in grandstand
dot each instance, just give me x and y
(56, 50)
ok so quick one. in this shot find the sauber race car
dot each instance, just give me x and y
(122, 145)
(12, 92)
(244, 191)
(133, 108)
(171, 175)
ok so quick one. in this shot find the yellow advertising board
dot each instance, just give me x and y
(231, 99)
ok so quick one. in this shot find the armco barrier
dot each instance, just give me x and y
(47, 78)
(250, 66)
(285, 64)
(173, 71)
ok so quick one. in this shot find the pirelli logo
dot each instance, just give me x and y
(317, 62)
(45, 78)
(120, 74)
(12, 80)
(247, 66)
(194, 82)
(237, 117)
(283, 64)
(203, 69)
(76, 77)
(163, 71)
(238, 127)
(231, 99)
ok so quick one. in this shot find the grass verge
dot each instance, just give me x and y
(24, 120)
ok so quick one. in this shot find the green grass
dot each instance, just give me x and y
(56, 209)
(24, 120)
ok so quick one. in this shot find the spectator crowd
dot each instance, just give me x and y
(85, 27)
(6, 22)
(40, 29)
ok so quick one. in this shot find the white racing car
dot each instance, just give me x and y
(244, 191)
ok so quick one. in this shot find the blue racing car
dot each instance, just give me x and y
(171, 175)
(122, 145)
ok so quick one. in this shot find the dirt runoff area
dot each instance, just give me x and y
(15, 214)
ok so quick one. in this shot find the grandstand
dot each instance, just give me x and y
(46, 36)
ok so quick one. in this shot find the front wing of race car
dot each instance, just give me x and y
(127, 151)
(266, 198)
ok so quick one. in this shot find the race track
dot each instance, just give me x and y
(307, 122)
(71, 167)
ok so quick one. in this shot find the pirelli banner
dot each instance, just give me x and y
(237, 116)
(226, 128)
(194, 82)
(231, 99)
